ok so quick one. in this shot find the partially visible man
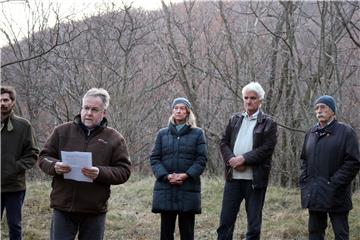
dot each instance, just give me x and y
(18, 154)
(80, 207)
(329, 162)
(247, 147)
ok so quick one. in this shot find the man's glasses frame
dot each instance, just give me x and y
(91, 109)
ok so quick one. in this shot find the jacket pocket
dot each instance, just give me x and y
(306, 191)
(8, 170)
(228, 173)
(328, 195)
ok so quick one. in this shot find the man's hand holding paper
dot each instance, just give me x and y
(92, 172)
(61, 168)
(80, 164)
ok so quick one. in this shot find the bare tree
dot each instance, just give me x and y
(206, 51)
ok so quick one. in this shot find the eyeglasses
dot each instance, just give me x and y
(252, 98)
(90, 109)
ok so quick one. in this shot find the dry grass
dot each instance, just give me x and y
(130, 217)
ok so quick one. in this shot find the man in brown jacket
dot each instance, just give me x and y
(18, 154)
(80, 206)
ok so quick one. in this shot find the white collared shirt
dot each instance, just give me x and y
(244, 143)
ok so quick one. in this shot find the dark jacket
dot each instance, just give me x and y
(109, 154)
(18, 153)
(329, 162)
(259, 158)
(178, 152)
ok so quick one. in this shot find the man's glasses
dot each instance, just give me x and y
(90, 109)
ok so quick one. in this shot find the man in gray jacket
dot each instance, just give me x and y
(18, 154)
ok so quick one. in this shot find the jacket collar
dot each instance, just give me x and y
(184, 130)
(254, 116)
(86, 130)
(8, 123)
(328, 129)
(260, 116)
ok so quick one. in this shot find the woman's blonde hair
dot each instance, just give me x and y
(190, 119)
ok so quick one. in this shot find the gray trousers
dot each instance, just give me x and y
(66, 225)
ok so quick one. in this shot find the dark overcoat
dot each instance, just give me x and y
(183, 151)
(329, 162)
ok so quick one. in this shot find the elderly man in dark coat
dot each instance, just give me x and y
(330, 161)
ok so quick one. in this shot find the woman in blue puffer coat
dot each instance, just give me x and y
(178, 159)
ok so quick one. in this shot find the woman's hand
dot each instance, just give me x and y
(177, 178)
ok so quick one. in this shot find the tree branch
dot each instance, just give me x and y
(43, 53)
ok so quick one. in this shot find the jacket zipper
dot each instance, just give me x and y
(87, 140)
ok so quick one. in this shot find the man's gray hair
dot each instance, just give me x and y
(254, 87)
(99, 92)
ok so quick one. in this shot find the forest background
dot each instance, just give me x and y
(203, 50)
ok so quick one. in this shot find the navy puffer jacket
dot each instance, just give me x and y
(183, 151)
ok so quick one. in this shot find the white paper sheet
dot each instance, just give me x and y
(77, 160)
